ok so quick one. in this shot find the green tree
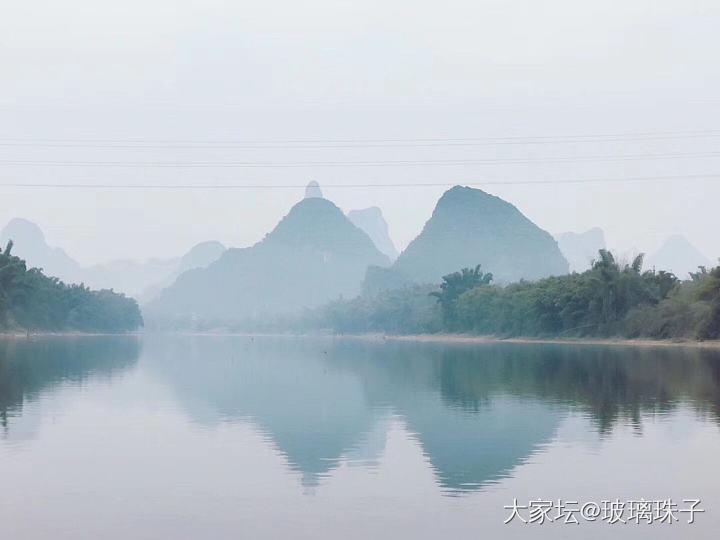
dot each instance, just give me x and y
(454, 285)
(32, 301)
(709, 291)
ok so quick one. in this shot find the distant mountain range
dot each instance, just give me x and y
(678, 256)
(139, 279)
(144, 279)
(470, 227)
(30, 245)
(369, 220)
(580, 249)
(315, 254)
(373, 223)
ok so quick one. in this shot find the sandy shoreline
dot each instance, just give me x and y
(469, 338)
(32, 335)
(418, 338)
(481, 339)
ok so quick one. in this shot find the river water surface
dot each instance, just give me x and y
(179, 437)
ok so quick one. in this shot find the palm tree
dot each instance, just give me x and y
(10, 267)
(457, 283)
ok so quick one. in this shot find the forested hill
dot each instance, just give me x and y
(30, 300)
(470, 226)
(314, 255)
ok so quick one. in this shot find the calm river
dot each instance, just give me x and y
(183, 437)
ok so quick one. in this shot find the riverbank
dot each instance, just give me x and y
(419, 338)
(32, 335)
(476, 339)
(470, 338)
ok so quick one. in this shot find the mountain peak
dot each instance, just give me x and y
(678, 256)
(463, 198)
(313, 191)
(371, 221)
(317, 221)
(313, 255)
(469, 226)
(22, 231)
(29, 243)
(580, 249)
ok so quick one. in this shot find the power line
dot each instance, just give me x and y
(378, 163)
(631, 179)
(362, 142)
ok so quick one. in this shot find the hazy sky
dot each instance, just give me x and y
(159, 72)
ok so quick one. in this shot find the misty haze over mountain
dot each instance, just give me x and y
(140, 279)
(581, 249)
(470, 227)
(679, 256)
(314, 255)
(373, 223)
(359, 269)
(30, 244)
(201, 124)
(576, 91)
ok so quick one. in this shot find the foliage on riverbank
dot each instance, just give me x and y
(610, 299)
(30, 300)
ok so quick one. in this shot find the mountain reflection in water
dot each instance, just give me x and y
(477, 412)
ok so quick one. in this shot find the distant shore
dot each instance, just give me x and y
(15, 334)
(470, 338)
(478, 339)
(418, 338)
